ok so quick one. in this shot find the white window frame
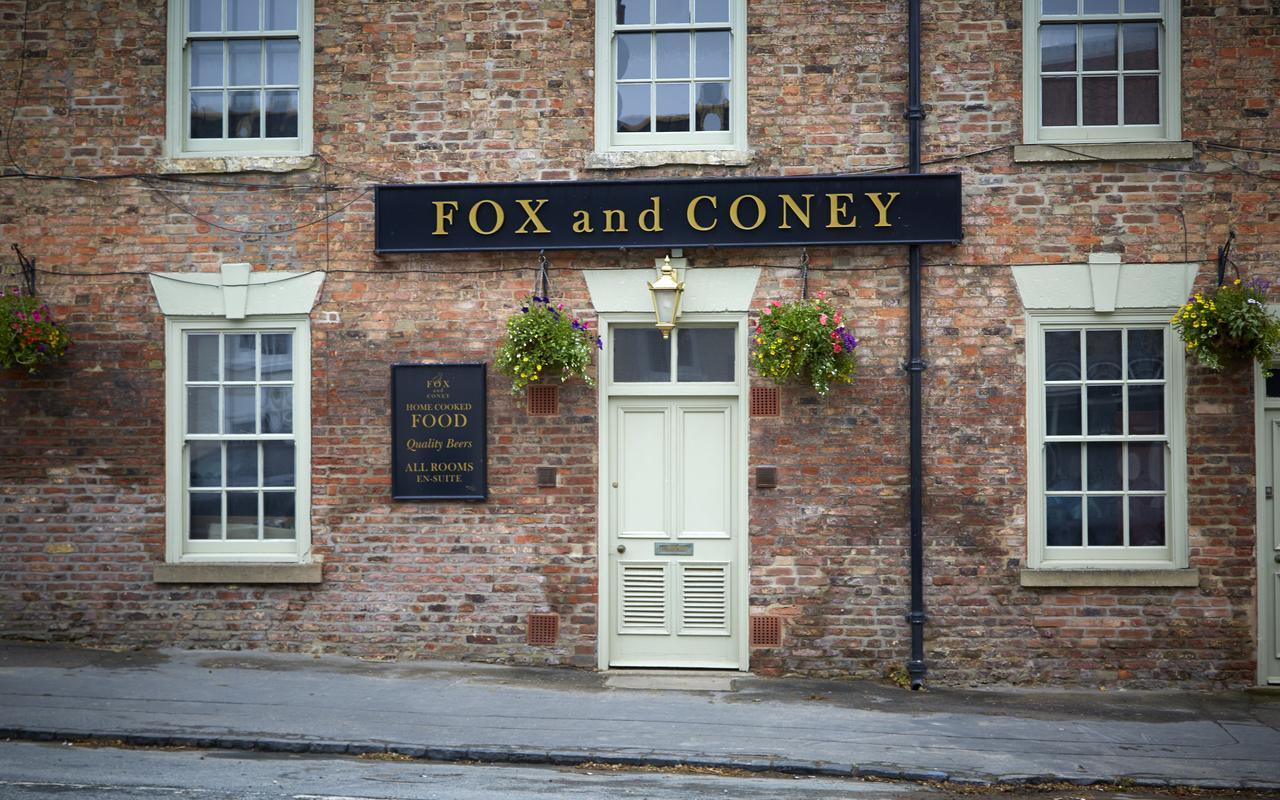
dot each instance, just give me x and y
(1173, 554)
(1170, 126)
(179, 548)
(607, 139)
(178, 144)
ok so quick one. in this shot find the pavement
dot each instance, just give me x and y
(449, 711)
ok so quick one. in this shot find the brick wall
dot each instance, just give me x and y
(503, 91)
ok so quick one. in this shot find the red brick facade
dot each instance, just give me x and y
(485, 91)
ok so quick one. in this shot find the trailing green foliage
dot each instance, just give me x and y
(804, 342)
(1230, 324)
(29, 337)
(542, 342)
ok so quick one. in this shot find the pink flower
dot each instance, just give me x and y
(776, 303)
(822, 295)
(822, 319)
(837, 317)
(835, 348)
(767, 311)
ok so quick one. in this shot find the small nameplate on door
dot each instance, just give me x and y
(672, 549)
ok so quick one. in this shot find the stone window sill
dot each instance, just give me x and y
(242, 573)
(1110, 151)
(631, 159)
(207, 165)
(1071, 578)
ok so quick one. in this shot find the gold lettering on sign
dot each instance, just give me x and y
(498, 215)
(615, 220)
(531, 215)
(443, 215)
(788, 203)
(733, 212)
(653, 215)
(692, 213)
(582, 222)
(839, 208)
(883, 208)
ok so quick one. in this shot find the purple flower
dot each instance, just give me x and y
(599, 343)
(524, 309)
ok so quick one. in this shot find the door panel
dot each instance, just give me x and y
(674, 522)
(1269, 544)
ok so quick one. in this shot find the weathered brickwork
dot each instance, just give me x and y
(493, 91)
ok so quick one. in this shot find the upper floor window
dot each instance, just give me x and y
(670, 74)
(1101, 70)
(240, 77)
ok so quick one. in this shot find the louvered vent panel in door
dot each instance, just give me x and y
(704, 598)
(644, 598)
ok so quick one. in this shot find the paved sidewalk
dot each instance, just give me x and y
(452, 711)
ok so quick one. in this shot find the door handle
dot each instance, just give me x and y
(622, 548)
(1278, 558)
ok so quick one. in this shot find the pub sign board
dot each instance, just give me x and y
(438, 432)
(666, 213)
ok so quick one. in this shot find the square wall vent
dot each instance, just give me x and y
(543, 629)
(765, 402)
(766, 631)
(544, 400)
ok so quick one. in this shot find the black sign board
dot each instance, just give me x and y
(438, 432)
(666, 213)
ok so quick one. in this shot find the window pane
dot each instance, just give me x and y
(204, 15)
(202, 410)
(277, 356)
(1099, 44)
(1106, 521)
(633, 56)
(278, 520)
(1062, 355)
(1105, 410)
(282, 113)
(244, 15)
(1146, 409)
(277, 464)
(1141, 6)
(1102, 355)
(711, 11)
(1058, 48)
(205, 464)
(242, 515)
(206, 63)
(1105, 466)
(282, 62)
(673, 107)
(713, 107)
(1058, 101)
(246, 64)
(1146, 466)
(1273, 384)
(1146, 355)
(238, 409)
(202, 357)
(1146, 522)
(1101, 7)
(1058, 7)
(1062, 467)
(1062, 410)
(633, 12)
(1142, 100)
(277, 409)
(1100, 99)
(238, 360)
(673, 55)
(712, 60)
(242, 463)
(206, 115)
(1062, 521)
(245, 118)
(282, 15)
(704, 354)
(633, 108)
(1142, 45)
(204, 520)
(672, 11)
(640, 354)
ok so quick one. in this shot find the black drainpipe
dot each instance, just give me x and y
(915, 365)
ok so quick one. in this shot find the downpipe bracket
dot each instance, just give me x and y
(915, 365)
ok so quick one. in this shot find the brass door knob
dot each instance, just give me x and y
(622, 548)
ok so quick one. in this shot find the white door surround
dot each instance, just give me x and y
(1267, 450)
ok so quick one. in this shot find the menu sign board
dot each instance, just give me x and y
(438, 432)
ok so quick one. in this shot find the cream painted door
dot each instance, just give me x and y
(1269, 563)
(673, 531)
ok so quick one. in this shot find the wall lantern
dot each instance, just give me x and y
(666, 291)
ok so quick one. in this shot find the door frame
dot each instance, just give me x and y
(1265, 533)
(740, 575)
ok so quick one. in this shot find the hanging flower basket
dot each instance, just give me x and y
(804, 342)
(1230, 325)
(29, 336)
(543, 342)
